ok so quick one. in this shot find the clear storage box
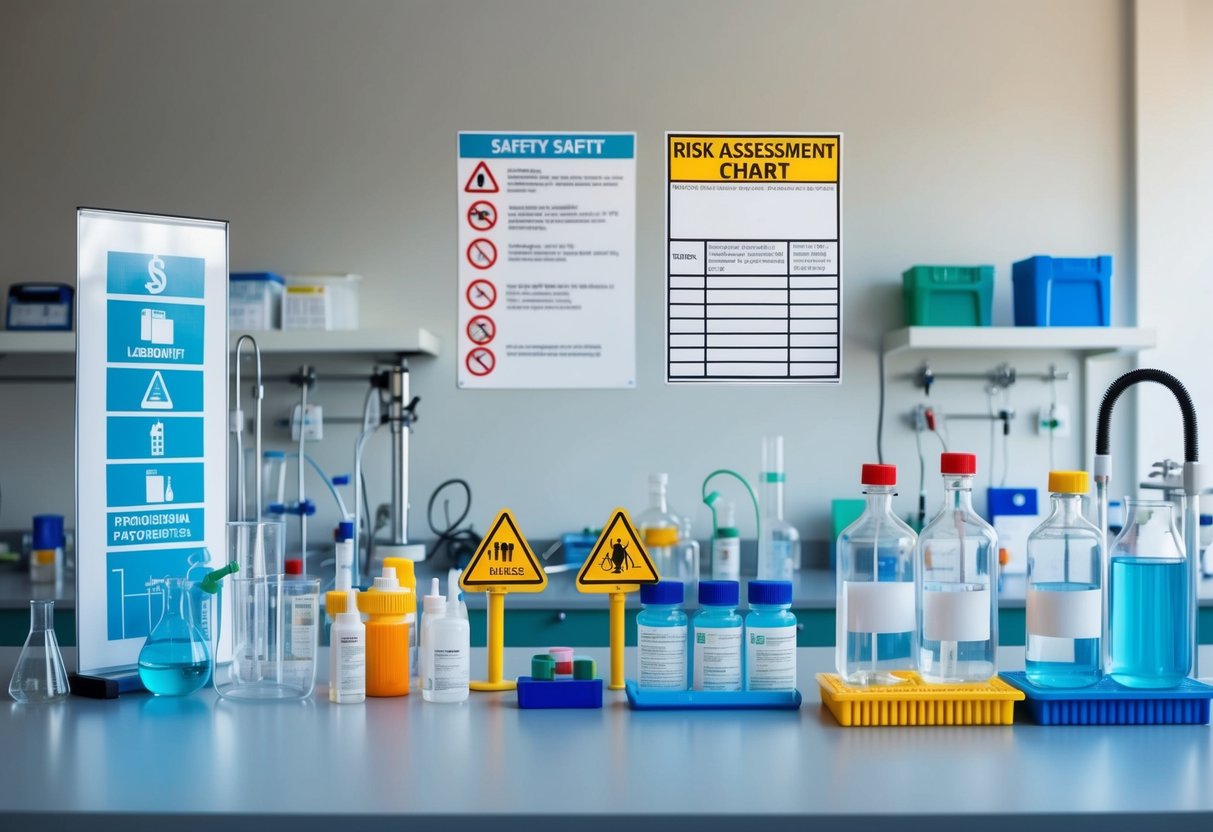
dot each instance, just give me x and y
(321, 301)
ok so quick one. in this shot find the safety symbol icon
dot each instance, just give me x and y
(618, 561)
(504, 560)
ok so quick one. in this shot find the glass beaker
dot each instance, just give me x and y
(39, 675)
(176, 658)
(276, 637)
(1149, 609)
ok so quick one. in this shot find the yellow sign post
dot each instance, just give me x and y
(617, 565)
(503, 563)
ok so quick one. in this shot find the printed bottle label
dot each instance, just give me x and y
(449, 669)
(956, 616)
(879, 606)
(1064, 614)
(718, 658)
(350, 667)
(771, 658)
(663, 657)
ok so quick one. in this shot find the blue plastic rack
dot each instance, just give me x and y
(1110, 703)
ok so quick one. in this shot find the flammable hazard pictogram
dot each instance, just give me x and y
(481, 181)
(618, 562)
(504, 559)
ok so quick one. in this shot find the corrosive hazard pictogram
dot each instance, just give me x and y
(482, 253)
(481, 181)
(504, 559)
(618, 561)
(480, 361)
(482, 215)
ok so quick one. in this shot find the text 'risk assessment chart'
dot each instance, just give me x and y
(754, 269)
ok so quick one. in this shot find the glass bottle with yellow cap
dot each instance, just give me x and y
(658, 527)
(1065, 598)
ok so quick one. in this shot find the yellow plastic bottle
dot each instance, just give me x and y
(407, 576)
(387, 606)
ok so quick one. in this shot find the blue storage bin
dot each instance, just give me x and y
(1063, 291)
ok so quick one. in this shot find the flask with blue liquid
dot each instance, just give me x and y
(176, 658)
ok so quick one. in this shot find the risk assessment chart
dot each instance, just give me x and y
(753, 273)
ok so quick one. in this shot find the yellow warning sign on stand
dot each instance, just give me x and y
(618, 562)
(504, 560)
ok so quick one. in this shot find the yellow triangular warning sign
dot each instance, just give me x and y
(618, 562)
(504, 560)
(481, 181)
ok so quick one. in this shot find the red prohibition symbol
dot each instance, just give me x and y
(480, 361)
(482, 215)
(481, 329)
(482, 253)
(481, 294)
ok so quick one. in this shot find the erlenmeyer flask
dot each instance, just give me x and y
(175, 659)
(40, 675)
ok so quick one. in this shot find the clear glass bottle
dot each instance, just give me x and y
(957, 561)
(726, 545)
(1064, 598)
(770, 634)
(876, 628)
(778, 540)
(176, 658)
(717, 649)
(686, 557)
(658, 526)
(40, 675)
(1150, 632)
(661, 637)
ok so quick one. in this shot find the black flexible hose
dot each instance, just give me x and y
(1128, 380)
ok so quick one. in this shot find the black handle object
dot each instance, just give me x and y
(1166, 380)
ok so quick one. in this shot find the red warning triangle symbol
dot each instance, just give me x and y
(481, 181)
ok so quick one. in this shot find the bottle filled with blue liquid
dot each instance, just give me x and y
(717, 628)
(661, 637)
(1150, 633)
(1065, 595)
(176, 658)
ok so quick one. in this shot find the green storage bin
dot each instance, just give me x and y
(948, 295)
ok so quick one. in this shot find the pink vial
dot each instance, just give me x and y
(564, 659)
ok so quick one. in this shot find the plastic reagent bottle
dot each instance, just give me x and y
(770, 634)
(1065, 599)
(726, 546)
(717, 634)
(877, 631)
(445, 651)
(347, 651)
(661, 637)
(659, 527)
(387, 635)
(778, 540)
(957, 606)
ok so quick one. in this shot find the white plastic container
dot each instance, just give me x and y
(445, 651)
(254, 301)
(347, 659)
(321, 301)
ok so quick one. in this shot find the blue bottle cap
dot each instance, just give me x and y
(48, 531)
(345, 530)
(663, 592)
(1206, 519)
(719, 593)
(770, 592)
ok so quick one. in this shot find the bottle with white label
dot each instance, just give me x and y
(876, 628)
(1064, 603)
(717, 637)
(957, 559)
(347, 664)
(726, 546)
(661, 637)
(445, 651)
(770, 636)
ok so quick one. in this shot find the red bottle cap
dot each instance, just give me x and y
(962, 464)
(874, 474)
(294, 566)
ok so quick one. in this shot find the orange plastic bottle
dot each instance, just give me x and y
(387, 635)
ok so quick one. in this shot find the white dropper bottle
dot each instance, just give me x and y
(446, 645)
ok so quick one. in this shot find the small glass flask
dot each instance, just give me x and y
(175, 659)
(40, 675)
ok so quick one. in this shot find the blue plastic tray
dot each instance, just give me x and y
(1110, 703)
(559, 693)
(644, 699)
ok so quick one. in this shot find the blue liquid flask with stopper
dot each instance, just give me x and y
(176, 658)
(1065, 597)
(1150, 632)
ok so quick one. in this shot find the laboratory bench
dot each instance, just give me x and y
(199, 762)
(560, 615)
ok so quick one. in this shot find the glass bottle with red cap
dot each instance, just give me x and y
(957, 563)
(876, 627)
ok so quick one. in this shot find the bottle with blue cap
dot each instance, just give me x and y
(717, 637)
(661, 637)
(770, 634)
(46, 554)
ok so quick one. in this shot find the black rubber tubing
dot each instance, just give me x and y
(1128, 380)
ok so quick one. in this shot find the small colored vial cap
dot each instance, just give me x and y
(543, 667)
(663, 592)
(584, 668)
(1206, 519)
(879, 474)
(963, 464)
(48, 531)
(719, 593)
(1069, 482)
(345, 530)
(769, 592)
(294, 566)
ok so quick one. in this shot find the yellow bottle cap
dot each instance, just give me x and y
(1069, 482)
(407, 576)
(376, 602)
(335, 602)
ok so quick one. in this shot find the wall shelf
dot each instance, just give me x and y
(1086, 341)
(372, 342)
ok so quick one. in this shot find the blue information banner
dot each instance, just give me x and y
(176, 391)
(155, 332)
(546, 146)
(137, 437)
(154, 275)
(153, 484)
(152, 528)
(133, 609)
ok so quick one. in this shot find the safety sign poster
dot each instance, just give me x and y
(547, 260)
(754, 257)
(151, 443)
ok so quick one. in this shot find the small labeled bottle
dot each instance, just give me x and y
(661, 637)
(46, 553)
(876, 627)
(957, 558)
(726, 546)
(717, 637)
(778, 540)
(445, 651)
(387, 606)
(1065, 599)
(770, 635)
(347, 682)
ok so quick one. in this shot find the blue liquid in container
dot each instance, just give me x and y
(1150, 637)
(1068, 662)
(173, 668)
